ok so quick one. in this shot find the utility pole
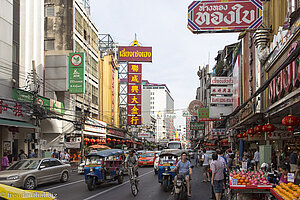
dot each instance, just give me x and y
(36, 110)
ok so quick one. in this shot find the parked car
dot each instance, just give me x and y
(12, 193)
(147, 159)
(29, 173)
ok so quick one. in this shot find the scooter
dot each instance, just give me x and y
(180, 188)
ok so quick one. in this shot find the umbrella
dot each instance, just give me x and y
(97, 146)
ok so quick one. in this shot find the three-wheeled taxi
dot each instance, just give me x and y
(167, 161)
(104, 166)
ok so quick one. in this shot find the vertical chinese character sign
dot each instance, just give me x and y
(134, 94)
(76, 73)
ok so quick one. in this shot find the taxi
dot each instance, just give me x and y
(147, 159)
(9, 192)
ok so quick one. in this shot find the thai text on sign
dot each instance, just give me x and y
(221, 16)
(135, 54)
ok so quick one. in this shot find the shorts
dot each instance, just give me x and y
(218, 186)
(205, 168)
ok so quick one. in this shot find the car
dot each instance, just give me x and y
(12, 193)
(147, 159)
(29, 173)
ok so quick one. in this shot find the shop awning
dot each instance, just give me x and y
(7, 122)
(94, 134)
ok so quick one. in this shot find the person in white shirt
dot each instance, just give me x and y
(205, 164)
(256, 159)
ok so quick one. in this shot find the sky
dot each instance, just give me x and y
(177, 52)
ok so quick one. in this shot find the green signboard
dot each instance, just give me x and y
(47, 104)
(76, 73)
(203, 113)
(197, 125)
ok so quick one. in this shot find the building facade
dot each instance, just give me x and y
(157, 102)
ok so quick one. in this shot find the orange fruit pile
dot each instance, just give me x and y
(288, 191)
(241, 180)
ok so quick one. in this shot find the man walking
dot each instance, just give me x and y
(217, 179)
(54, 154)
(256, 159)
(205, 164)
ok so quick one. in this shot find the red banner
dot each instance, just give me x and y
(134, 99)
(135, 68)
(135, 54)
(134, 89)
(134, 110)
(135, 78)
(134, 120)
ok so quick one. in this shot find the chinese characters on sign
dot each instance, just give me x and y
(217, 132)
(203, 113)
(221, 90)
(224, 16)
(197, 126)
(134, 94)
(221, 100)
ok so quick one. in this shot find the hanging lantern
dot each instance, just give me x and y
(245, 134)
(92, 141)
(240, 135)
(251, 131)
(258, 129)
(118, 141)
(290, 121)
(97, 141)
(268, 128)
(103, 141)
(108, 139)
(114, 140)
(123, 141)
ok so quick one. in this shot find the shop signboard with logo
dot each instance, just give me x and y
(144, 135)
(221, 81)
(76, 72)
(221, 90)
(224, 16)
(221, 100)
(197, 126)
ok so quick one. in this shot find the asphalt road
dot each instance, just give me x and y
(149, 188)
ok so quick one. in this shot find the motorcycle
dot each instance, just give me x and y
(180, 188)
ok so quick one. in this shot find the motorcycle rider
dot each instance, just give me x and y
(132, 161)
(184, 166)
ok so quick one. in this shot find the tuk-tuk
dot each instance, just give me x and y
(167, 161)
(103, 166)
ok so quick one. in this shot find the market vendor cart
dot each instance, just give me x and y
(276, 195)
(262, 190)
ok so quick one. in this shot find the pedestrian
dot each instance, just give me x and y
(54, 154)
(10, 157)
(22, 155)
(62, 155)
(67, 156)
(222, 158)
(4, 162)
(36, 153)
(256, 159)
(197, 158)
(230, 162)
(217, 179)
(31, 154)
(294, 161)
(205, 165)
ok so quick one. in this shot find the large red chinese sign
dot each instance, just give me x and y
(134, 94)
(222, 16)
(135, 54)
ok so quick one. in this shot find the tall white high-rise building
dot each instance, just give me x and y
(157, 102)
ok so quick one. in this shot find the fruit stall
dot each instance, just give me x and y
(284, 191)
(249, 185)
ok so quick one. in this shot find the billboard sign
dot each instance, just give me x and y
(135, 120)
(134, 68)
(197, 126)
(221, 80)
(76, 73)
(221, 100)
(134, 109)
(221, 90)
(203, 113)
(224, 16)
(193, 107)
(218, 132)
(94, 125)
(134, 99)
(134, 89)
(134, 78)
(143, 135)
(135, 54)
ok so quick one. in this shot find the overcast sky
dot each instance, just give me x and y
(162, 24)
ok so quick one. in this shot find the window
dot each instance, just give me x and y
(55, 163)
(46, 163)
(50, 11)
(49, 45)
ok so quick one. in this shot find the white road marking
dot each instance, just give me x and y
(114, 187)
(59, 186)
